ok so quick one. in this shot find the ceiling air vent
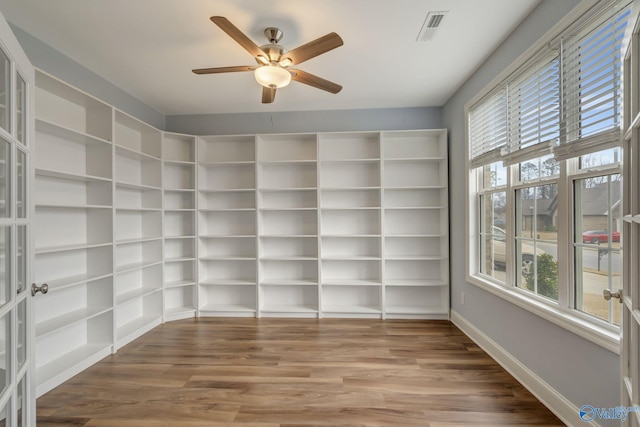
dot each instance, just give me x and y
(431, 25)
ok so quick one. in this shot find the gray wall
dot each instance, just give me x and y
(583, 372)
(55, 63)
(308, 121)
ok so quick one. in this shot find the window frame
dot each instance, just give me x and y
(581, 174)
(563, 312)
(534, 241)
(484, 193)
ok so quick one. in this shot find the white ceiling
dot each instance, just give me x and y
(148, 48)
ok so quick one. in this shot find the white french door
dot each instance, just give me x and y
(630, 295)
(17, 398)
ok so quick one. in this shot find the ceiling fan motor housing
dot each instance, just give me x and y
(274, 51)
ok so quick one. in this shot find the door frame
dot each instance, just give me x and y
(630, 295)
(20, 64)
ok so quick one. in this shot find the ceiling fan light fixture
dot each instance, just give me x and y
(272, 76)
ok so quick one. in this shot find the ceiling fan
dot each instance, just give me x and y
(273, 71)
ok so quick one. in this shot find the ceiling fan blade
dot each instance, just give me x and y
(315, 81)
(268, 95)
(233, 32)
(314, 48)
(223, 69)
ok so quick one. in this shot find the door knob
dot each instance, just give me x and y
(608, 294)
(35, 289)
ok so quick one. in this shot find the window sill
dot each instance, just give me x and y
(599, 335)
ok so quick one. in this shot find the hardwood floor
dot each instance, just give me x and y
(295, 372)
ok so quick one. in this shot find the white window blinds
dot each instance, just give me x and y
(534, 109)
(565, 99)
(488, 128)
(592, 67)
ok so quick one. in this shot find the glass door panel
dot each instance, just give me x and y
(5, 264)
(5, 91)
(5, 179)
(21, 184)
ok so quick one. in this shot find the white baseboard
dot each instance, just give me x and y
(557, 403)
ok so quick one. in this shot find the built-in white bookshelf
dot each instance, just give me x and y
(180, 241)
(227, 231)
(330, 224)
(287, 179)
(416, 227)
(350, 206)
(134, 226)
(73, 233)
(138, 224)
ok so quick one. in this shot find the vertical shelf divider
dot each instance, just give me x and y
(383, 293)
(258, 227)
(114, 347)
(319, 225)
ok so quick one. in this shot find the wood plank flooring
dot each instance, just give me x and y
(295, 372)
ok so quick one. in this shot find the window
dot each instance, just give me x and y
(488, 125)
(21, 114)
(534, 109)
(597, 244)
(537, 240)
(545, 174)
(603, 158)
(592, 71)
(493, 238)
(492, 200)
(5, 85)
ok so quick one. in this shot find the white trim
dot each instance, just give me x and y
(20, 63)
(601, 336)
(550, 397)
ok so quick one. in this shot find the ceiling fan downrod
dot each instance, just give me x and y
(273, 34)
